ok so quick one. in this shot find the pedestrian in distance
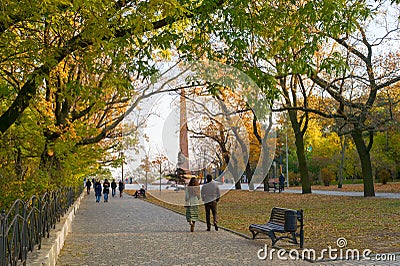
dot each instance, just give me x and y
(106, 189)
(97, 190)
(210, 195)
(192, 197)
(121, 187)
(281, 182)
(88, 185)
(113, 188)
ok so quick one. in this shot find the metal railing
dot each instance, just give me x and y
(26, 223)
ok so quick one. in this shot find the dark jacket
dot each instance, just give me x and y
(106, 187)
(210, 192)
(121, 185)
(97, 188)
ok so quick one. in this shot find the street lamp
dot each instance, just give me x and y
(122, 166)
(287, 160)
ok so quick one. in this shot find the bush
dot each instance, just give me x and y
(384, 175)
(294, 179)
(327, 176)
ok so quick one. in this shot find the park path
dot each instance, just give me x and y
(129, 231)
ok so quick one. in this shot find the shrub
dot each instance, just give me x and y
(294, 179)
(384, 175)
(327, 176)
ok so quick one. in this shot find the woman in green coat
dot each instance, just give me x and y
(192, 197)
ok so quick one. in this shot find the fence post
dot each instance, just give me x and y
(302, 229)
(3, 238)
(40, 218)
(24, 241)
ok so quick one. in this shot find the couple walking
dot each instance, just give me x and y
(210, 195)
(98, 190)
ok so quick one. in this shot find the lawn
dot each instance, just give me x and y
(366, 223)
(391, 187)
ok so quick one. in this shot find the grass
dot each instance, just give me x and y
(366, 223)
(392, 187)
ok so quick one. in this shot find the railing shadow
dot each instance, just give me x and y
(26, 223)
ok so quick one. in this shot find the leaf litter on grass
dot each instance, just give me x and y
(366, 223)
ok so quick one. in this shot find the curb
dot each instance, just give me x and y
(52, 246)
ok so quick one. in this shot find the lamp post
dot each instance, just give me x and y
(287, 160)
(122, 167)
(204, 165)
(160, 177)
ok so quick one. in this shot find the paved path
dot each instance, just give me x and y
(129, 231)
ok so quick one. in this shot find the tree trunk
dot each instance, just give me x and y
(342, 154)
(233, 169)
(231, 163)
(18, 165)
(50, 163)
(249, 176)
(301, 157)
(365, 159)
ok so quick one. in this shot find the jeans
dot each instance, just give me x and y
(98, 197)
(113, 192)
(105, 197)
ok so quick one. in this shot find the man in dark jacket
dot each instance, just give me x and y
(106, 189)
(97, 190)
(281, 182)
(88, 185)
(210, 195)
(113, 188)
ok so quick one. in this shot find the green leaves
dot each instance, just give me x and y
(335, 64)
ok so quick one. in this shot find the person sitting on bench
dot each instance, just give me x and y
(139, 192)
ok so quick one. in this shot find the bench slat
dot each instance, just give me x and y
(281, 221)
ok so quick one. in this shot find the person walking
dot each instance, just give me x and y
(97, 190)
(210, 195)
(121, 187)
(192, 197)
(281, 182)
(106, 189)
(88, 185)
(113, 188)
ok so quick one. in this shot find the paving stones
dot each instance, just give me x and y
(129, 231)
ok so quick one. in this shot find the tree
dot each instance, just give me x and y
(353, 76)
(68, 71)
(42, 36)
(324, 41)
(158, 162)
(145, 165)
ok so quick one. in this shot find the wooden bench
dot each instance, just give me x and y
(271, 185)
(284, 221)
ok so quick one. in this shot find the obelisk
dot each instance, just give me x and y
(183, 155)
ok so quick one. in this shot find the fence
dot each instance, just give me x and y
(26, 223)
